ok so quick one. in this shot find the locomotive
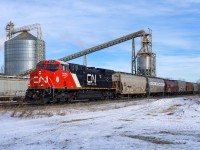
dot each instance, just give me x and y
(54, 81)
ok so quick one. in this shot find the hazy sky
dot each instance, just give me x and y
(71, 26)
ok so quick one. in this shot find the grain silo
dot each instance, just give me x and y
(23, 51)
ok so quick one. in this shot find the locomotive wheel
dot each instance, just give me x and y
(103, 98)
(56, 100)
(42, 101)
(46, 100)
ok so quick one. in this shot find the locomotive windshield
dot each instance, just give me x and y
(52, 67)
(41, 66)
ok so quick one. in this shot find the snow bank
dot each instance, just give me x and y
(171, 123)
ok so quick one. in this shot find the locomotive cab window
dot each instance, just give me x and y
(40, 66)
(52, 67)
(65, 67)
(72, 67)
(76, 67)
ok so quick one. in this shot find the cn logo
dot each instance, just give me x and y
(91, 79)
(43, 79)
(38, 80)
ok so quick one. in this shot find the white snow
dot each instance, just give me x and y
(170, 123)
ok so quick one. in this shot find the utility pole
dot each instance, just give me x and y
(133, 68)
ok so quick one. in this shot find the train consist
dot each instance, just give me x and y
(54, 81)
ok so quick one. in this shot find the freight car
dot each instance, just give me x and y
(195, 88)
(12, 86)
(155, 86)
(181, 87)
(128, 84)
(171, 86)
(55, 81)
(189, 88)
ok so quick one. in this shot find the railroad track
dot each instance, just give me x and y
(14, 104)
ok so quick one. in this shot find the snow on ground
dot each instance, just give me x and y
(172, 123)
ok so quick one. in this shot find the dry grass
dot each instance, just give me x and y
(150, 139)
(171, 109)
(126, 120)
(169, 132)
(75, 120)
(24, 111)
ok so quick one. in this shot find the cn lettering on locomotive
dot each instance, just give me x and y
(91, 79)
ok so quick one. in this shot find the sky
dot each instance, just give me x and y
(72, 26)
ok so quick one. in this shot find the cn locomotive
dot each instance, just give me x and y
(54, 81)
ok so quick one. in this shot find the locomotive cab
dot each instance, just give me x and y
(51, 74)
(52, 65)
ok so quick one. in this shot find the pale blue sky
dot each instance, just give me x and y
(71, 26)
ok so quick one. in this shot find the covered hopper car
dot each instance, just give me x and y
(181, 87)
(189, 87)
(129, 84)
(12, 86)
(155, 86)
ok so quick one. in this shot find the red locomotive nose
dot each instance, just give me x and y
(41, 79)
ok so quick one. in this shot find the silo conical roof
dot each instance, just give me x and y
(25, 36)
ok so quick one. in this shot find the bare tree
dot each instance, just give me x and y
(181, 79)
(2, 69)
(198, 81)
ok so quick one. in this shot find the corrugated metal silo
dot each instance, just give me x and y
(22, 53)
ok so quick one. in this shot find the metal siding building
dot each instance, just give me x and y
(22, 53)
